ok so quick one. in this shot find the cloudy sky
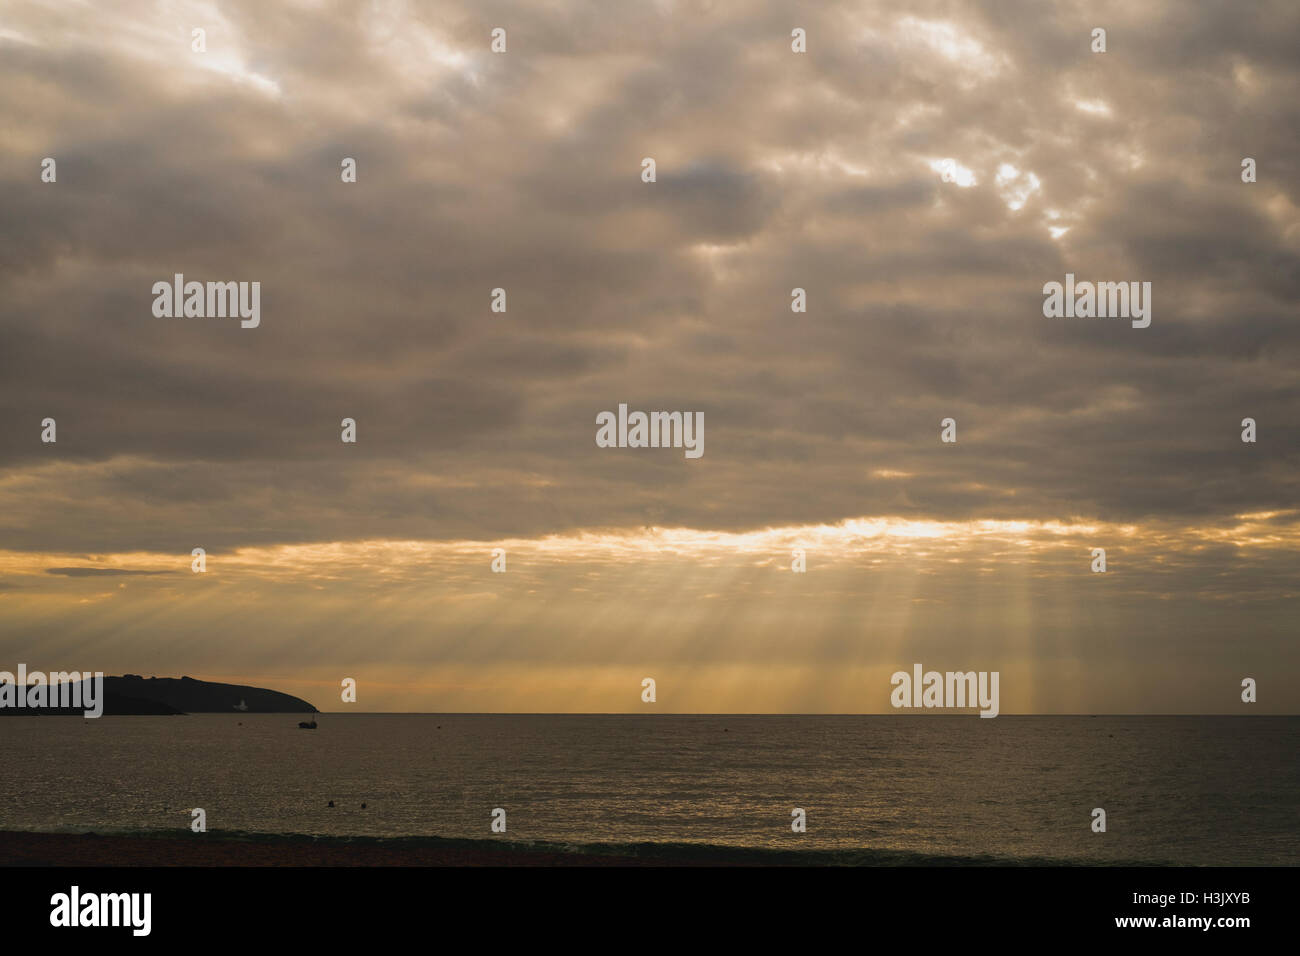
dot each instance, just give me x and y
(476, 429)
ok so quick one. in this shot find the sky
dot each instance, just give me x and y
(921, 172)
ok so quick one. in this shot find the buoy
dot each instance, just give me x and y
(331, 803)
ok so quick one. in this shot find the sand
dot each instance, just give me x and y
(211, 849)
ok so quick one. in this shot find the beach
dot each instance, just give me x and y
(211, 849)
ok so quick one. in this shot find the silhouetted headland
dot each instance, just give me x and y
(136, 695)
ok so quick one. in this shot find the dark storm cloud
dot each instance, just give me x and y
(522, 171)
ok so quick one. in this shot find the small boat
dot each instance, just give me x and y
(307, 724)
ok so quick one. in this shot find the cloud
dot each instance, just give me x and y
(99, 572)
(522, 171)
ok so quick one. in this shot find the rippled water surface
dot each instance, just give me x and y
(1204, 790)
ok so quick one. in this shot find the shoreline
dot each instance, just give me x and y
(22, 848)
(31, 848)
(19, 848)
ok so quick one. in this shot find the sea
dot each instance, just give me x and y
(873, 789)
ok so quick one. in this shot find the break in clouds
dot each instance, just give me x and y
(921, 173)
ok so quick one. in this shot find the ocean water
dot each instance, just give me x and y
(1185, 790)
